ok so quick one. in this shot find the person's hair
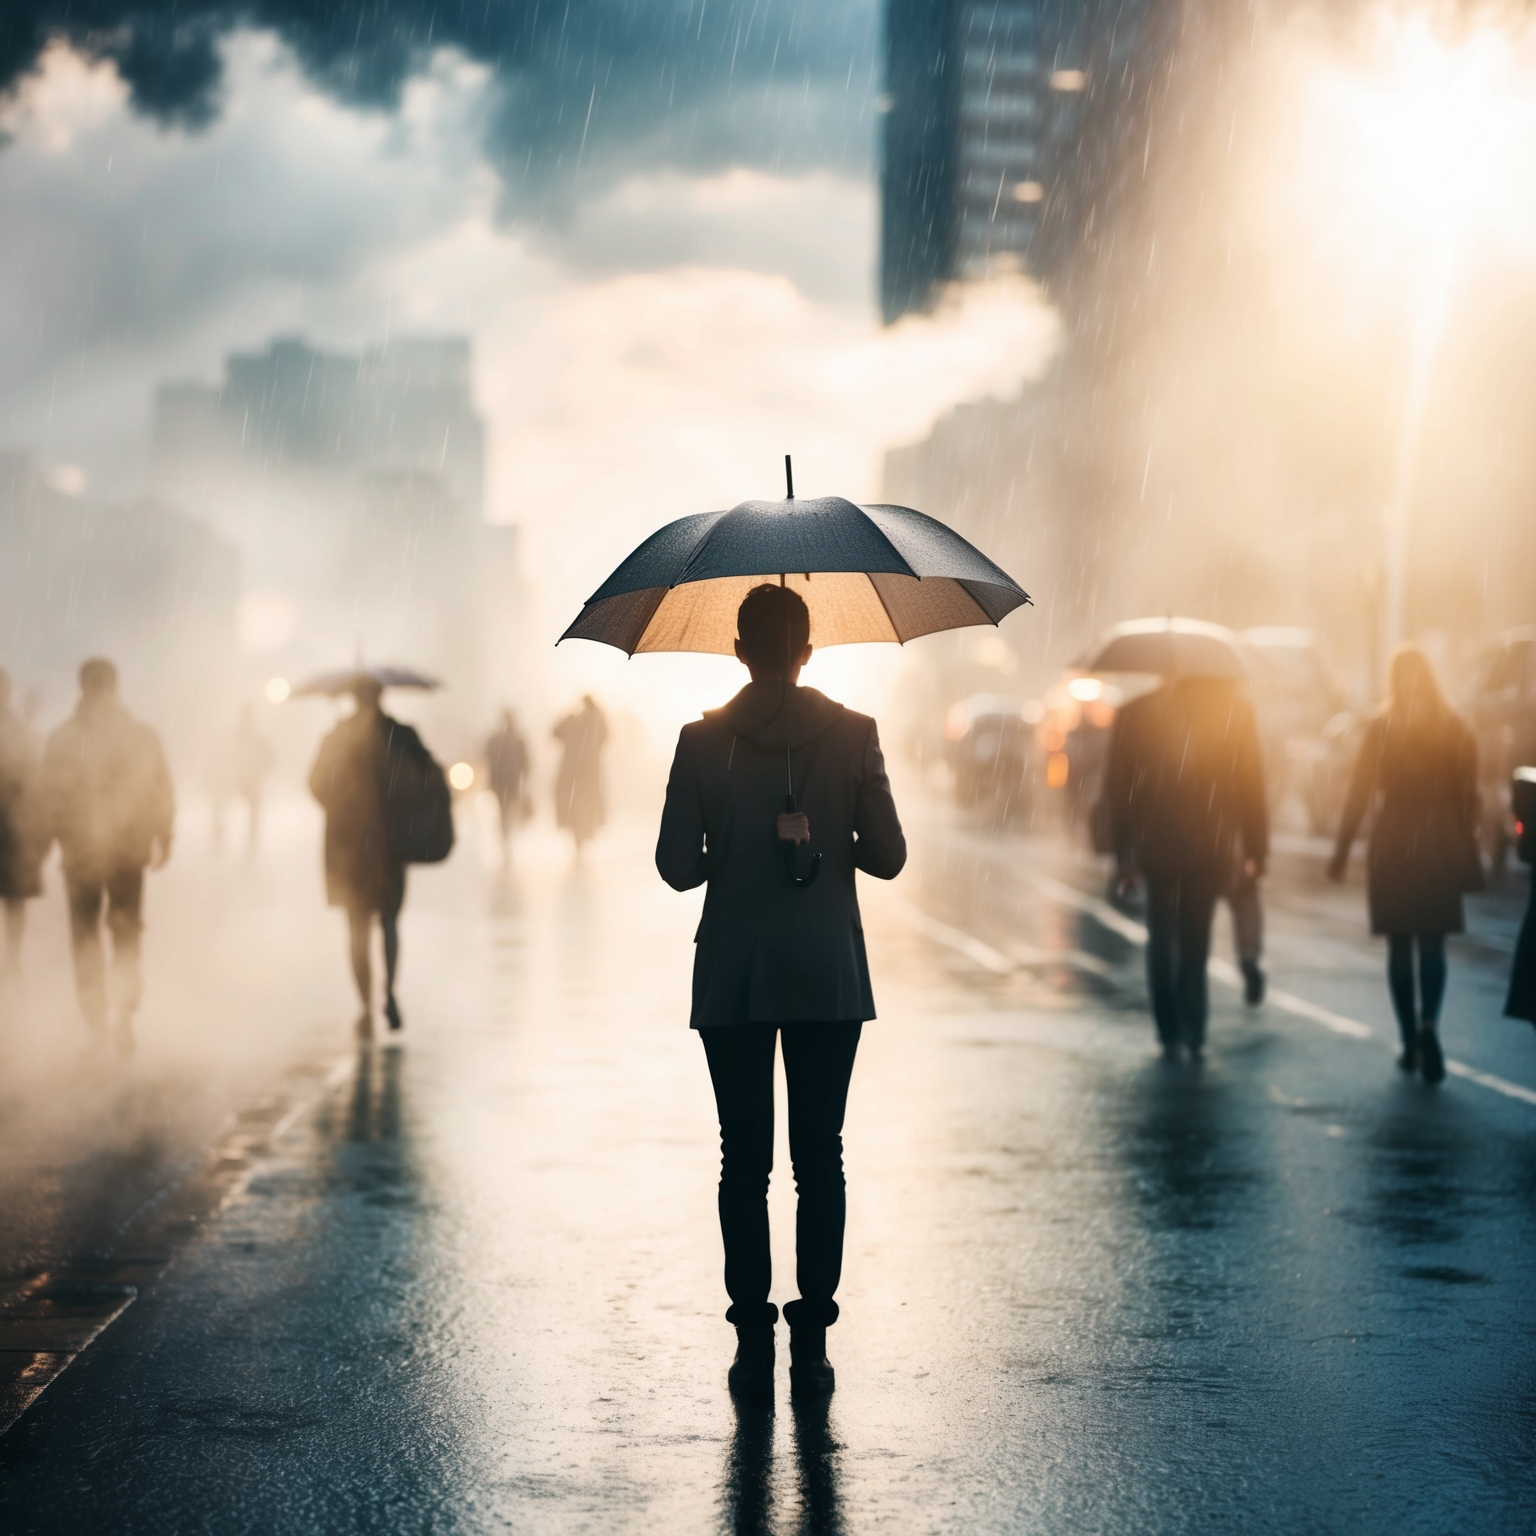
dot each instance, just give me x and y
(98, 676)
(774, 627)
(1414, 700)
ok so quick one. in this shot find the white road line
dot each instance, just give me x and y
(1128, 928)
(333, 1079)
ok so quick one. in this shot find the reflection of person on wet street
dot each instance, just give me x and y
(21, 843)
(362, 873)
(1184, 804)
(1418, 767)
(506, 759)
(779, 961)
(579, 783)
(249, 761)
(108, 800)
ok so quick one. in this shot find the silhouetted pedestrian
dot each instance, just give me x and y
(506, 760)
(245, 762)
(579, 804)
(1521, 1001)
(1184, 804)
(108, 800)
(1418, 768)
(22, 843)
(779, 958)
(364, 869)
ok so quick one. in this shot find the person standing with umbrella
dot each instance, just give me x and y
(1183, 803)
(1418, 768)
(386, 805)
(774, 802)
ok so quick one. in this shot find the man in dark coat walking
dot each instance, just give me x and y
(1184, 801)
(779, 960)
(364, 874)
(21, 830)
(108, 800)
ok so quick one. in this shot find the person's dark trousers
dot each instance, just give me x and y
(1410, 1012)
(120, 897)
(1179, 912)
(818, 1062)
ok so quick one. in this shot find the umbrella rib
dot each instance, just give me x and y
(880, 598)
(890, 544)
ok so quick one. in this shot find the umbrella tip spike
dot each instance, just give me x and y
(789, 479)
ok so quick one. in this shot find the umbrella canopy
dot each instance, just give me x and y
(1171, 648)
(333, 683)
(866, 573)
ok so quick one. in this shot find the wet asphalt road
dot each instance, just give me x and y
(473, 1283)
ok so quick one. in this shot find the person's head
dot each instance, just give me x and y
(773, 632)
(98, 679)
(1412, 690)
(366, 692)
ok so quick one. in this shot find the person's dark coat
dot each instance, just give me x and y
(361, 872)
(107, 794)
(1521, 1002)
(767, 951)
(1184, 782)
(579, 803)
(1422, 853)
(22, 832)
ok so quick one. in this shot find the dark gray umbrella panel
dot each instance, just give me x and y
(875, 573)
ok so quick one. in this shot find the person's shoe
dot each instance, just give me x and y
(751, 1374)
(1253, 983)
(1170, 1050)
(1431, 1057)
(392, 1013)
(810, 1372)
(1408, 1057)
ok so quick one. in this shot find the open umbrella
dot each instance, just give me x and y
(1170, 648)
(865, 572)
(333, 683)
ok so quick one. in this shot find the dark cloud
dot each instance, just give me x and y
(579, 82)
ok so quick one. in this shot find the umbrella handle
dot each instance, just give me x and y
(800, 882)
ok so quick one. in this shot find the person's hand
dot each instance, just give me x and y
(1336, 869)
(794, 827)
(159, 852)
(1253, 869)
(1125, 880)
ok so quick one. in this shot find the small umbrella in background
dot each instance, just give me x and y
(330, 684)
(1170, 648)
(866, 573)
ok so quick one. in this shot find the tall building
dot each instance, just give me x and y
(353, 485)
(1004, 121)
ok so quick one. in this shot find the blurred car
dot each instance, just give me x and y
(1500, 705)
(1326, 765)
(989, 746)
(1295, 700)
(1073, 738)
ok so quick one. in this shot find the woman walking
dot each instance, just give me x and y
(1418, 768)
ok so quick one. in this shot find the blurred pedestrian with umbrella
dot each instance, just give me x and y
(387, 804)
(579, 806)
(1417, 769)
(22, 844)
(774, 802)
(1183, 806)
